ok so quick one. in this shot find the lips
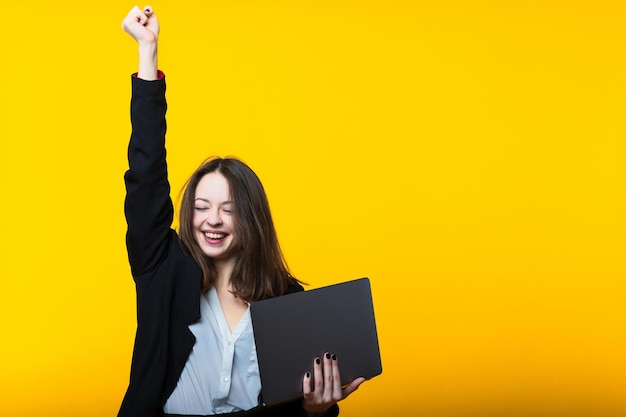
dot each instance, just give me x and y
(213, 237)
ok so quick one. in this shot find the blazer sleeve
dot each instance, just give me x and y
(148, 206)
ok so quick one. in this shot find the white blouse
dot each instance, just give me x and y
(222, 373)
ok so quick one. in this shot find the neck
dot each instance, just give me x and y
(224, 271)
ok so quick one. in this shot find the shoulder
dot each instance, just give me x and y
(172, 267)
(171, 291)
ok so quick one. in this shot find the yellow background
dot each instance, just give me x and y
(467, 156)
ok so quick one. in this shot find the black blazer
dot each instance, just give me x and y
(167, 279)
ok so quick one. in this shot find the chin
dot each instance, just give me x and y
(219, 255)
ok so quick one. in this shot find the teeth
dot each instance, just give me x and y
(214, 235)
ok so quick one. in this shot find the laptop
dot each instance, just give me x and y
(290, 331)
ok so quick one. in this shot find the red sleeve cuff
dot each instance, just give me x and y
(160, 75)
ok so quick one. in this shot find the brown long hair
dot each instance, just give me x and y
(260, 269)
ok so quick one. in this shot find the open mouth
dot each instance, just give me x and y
(214, 236)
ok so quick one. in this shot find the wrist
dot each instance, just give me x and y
(148, 47)
(148, 66)
(314, 413)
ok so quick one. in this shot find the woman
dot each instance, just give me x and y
(194, 350)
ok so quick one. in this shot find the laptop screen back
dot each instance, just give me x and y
(290, 331)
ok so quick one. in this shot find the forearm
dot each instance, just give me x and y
(148, 62)
(290, 409)
(331, 412)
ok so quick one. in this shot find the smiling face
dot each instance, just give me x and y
(226, 227)
(213, 220)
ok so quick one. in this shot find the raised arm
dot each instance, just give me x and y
(148, 207)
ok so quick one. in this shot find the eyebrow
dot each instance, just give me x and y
(207, 201)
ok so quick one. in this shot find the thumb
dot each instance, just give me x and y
(353, 386)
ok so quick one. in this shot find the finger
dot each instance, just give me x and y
(319, 378)
(337, 393)
(152, 22)
(306, 387)
(328, 378)
(353, 386)
(150, 15)
(142, 19)
(137, 15)
(135, 11)
(134, 16)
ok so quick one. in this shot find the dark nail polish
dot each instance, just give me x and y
(327, 355)
(318, 361)
(308, 375)
(334, 357)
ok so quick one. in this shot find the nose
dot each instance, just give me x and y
(214, 218)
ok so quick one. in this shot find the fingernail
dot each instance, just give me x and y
(318, 361)
(307, 375)
(334, 357)
(327, 355)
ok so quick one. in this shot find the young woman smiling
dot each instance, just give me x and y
(194, 349)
